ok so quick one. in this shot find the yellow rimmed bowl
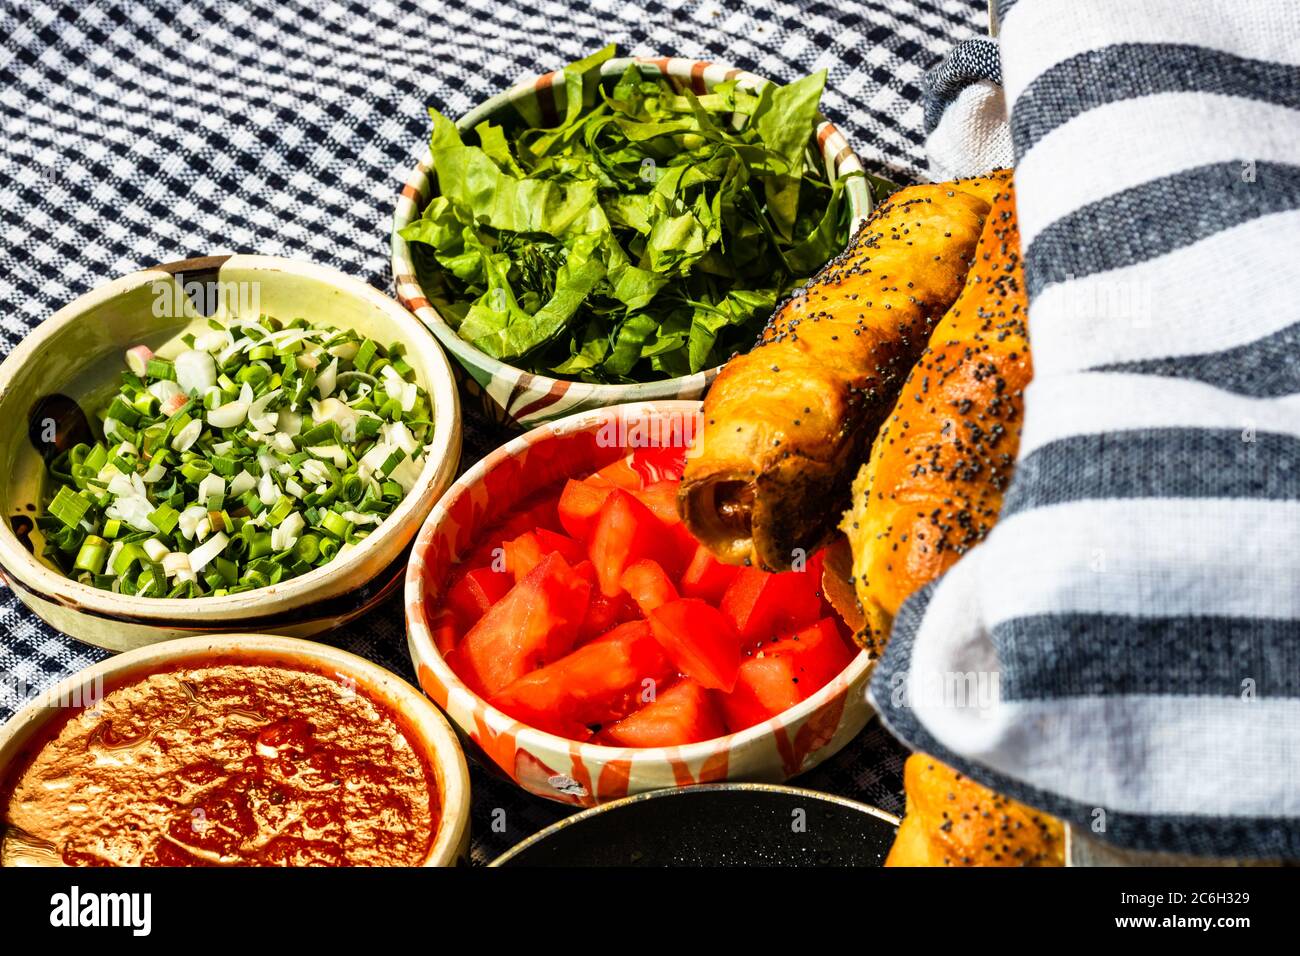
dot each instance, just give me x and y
(571, 771)
(515, 396)
(72, 361)
(422, 723)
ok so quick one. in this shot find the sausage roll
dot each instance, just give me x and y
(953, 821)
(933, 486)
(787, 424)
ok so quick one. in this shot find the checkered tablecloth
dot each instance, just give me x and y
(141, 133)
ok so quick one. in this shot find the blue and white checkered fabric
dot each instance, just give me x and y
(147, 132)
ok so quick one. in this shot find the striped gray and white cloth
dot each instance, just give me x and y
(1124, 650)
(966, 130)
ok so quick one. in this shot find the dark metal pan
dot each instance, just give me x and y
(732, 824)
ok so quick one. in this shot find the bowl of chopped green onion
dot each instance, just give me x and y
(232, 443)
(614, 231)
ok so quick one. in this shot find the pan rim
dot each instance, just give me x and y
(802, 792)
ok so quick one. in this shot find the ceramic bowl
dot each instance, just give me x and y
(511, 394)
(425, 725)
(586, 774)
(73, 359)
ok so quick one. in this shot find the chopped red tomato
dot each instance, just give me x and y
(818, 651)
(625, 532)
(786, 671)
(476, 591)
(491, 549)
(587, 570)
(762, 605)
(597, 683)
(543, 514)
(533, 625)
(661, 498)
(765, 687)
(580, 505)
(568, 632)
(706, 577)
(572, 550)
(658, 463)
(648, 585)
(490, 553)
(523, 553)
(685, 713)
(445, 631)
(604, 613)
(621, 474)
(700, 640)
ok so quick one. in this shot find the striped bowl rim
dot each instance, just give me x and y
(838, 154)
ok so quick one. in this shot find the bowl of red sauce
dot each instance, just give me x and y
(582, 641)
(232, 750)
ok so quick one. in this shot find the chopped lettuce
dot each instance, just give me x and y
(648, 234)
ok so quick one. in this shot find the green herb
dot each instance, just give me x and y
(224, 466)
(645, 236)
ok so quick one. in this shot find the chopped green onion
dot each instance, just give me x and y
(195, 471)
(96, 458)
(353, 486)
(93, 554)
(160, 369)
(227, 467)
(335, 524)
(365, 355)
(165, 518)
(228, 570)
(218, 467)
(69, 507)
(259, 546)
(307, 550)
(123, 411)
(127, 558)
(279, 512)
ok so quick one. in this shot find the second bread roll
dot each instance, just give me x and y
(933, 486)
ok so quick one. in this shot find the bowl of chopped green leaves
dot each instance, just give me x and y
(232, 443)
(614, 231)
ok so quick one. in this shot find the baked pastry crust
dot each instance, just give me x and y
(932, 488)
(787, 424)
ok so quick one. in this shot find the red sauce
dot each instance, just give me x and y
(228, 763)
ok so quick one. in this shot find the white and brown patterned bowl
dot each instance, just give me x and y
(511, 394)
(566, 770)
(75, 357)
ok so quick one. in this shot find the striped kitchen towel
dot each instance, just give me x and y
(966, 131)
(1124, 649)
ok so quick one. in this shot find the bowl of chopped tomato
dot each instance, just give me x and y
(585, 643)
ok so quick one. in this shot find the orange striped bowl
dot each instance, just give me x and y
(582, 773)
(513, 395)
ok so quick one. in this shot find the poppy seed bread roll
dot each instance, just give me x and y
(787, 424)
(953, 821)
(932, 488)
